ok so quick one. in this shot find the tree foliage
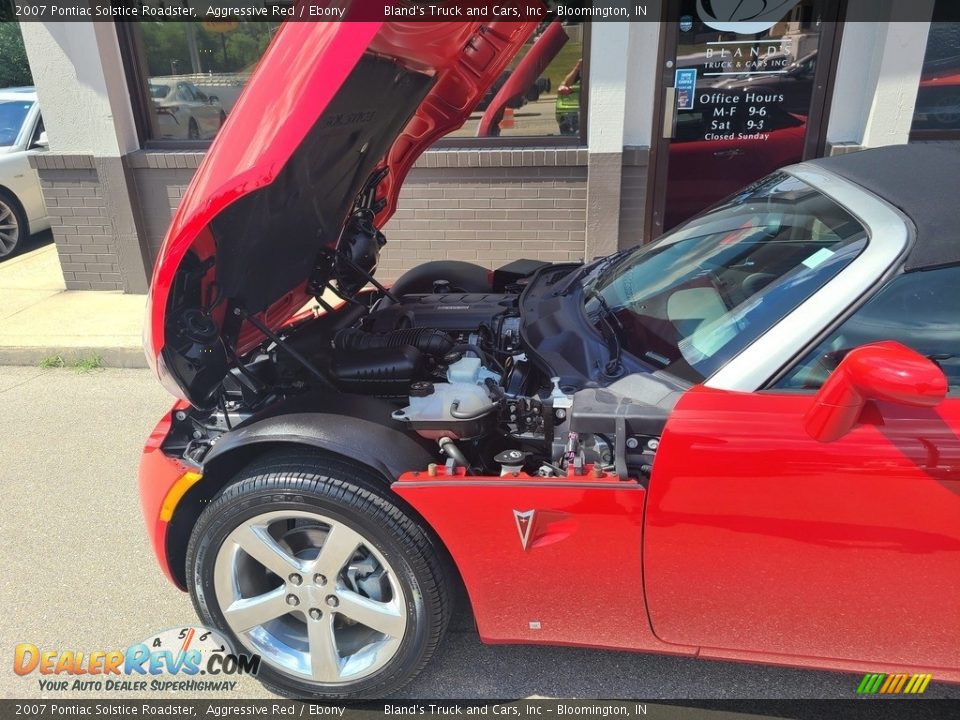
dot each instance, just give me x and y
(14, 69)
(167, 47)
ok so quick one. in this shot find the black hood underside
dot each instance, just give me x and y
(268, 241)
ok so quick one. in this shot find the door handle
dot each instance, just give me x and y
(669, 112)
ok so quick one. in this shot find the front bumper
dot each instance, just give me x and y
(162, 480)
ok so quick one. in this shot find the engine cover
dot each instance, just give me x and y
(454, 313)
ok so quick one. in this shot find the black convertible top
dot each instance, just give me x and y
(922, 181)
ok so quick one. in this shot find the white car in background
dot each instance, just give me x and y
(183, 111)
(22, 210)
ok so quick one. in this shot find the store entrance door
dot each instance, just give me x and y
(740, 100)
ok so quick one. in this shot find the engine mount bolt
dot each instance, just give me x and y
(296, 579)
(293, 600)
(633, 443)
(316, 613)
(180, 415)
(320, 579)
(653, 444)
(332, 601)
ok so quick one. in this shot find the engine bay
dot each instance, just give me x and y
(486, 379)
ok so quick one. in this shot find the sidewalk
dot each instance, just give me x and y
(40, 321)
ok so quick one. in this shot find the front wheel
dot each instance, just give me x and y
(13, 224)
(308, 562)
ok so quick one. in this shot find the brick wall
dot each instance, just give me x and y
(459, 205)
(483, 206)
(82, 228)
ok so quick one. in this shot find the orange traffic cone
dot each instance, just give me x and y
(507, 122)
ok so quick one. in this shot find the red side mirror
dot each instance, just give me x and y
(885, 371)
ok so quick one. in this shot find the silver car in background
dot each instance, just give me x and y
(183, 111)
(22, 210)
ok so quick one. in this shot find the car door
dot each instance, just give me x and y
(761, 539)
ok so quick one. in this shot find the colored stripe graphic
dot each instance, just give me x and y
(883, 684)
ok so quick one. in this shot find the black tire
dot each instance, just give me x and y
(306, 480)
(193, 130)
(8, 201)
(223, 118)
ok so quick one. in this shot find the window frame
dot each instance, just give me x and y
(133, 59)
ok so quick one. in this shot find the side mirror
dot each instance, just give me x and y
(42, 143)
(213, 100)
(885, 371)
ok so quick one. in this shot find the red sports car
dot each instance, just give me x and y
(741, 441)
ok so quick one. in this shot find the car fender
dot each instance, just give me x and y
(384, 449)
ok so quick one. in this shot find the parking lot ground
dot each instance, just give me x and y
(40, 320)
(78, 573)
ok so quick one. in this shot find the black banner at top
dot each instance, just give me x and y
(228, 11)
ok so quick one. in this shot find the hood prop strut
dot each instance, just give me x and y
(283, 345)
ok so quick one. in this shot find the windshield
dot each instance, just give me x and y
(692, 301)
(12, 115)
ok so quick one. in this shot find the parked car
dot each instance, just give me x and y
(22, 210)
(183, 111)
(741, 441)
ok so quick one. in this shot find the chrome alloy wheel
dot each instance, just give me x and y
(9, 229)
(310, 595)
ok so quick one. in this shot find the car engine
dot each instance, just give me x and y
(454, 369)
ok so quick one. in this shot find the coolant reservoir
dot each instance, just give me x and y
(469, 369)
(432, 407)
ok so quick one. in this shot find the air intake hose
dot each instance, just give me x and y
(426, 340)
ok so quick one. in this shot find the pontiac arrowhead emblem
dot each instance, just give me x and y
(524, 525)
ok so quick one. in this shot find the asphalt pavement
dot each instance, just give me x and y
(77, 572)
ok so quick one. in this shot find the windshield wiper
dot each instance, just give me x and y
(614, 366)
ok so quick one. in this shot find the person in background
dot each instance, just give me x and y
(568, 101)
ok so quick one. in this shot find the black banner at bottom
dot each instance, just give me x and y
(865, 708)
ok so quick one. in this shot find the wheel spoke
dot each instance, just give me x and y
(324, 658)
(382, 617)
(256, 542)
(338, 548)
(248, 613)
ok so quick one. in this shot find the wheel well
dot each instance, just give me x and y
(221, 470)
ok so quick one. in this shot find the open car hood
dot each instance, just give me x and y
(330, 106)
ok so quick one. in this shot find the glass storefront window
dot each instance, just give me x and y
(938, 98)
(193, 73)
(541, 94)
